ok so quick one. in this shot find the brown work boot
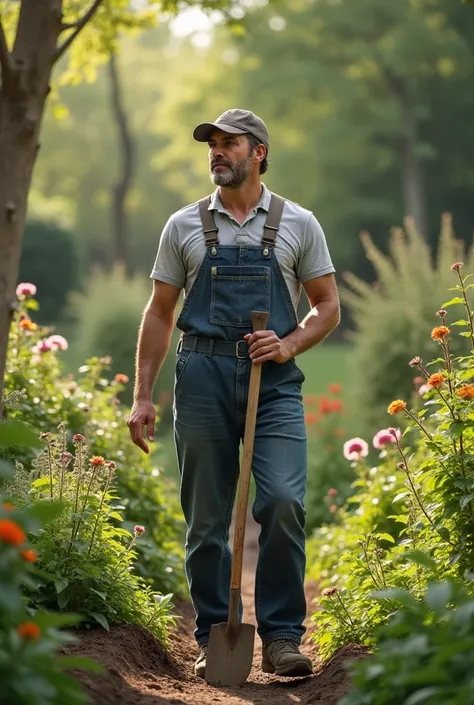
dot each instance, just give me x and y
(200, 665)
(283, 658)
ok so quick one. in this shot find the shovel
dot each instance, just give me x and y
(230, 649)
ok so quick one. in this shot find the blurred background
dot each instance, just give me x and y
(370, 109)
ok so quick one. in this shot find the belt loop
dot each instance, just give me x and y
(195, 343)
(210, 351)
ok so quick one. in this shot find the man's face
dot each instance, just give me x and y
(230, 159)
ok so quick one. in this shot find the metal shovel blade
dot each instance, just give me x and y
(229, 657)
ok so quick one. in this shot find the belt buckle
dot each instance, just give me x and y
(237, 353)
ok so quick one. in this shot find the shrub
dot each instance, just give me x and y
(86, 559)
(428, 493)
(424, 654)
(50, 258)
(31, 671)
(393, 317)
(39, 393)
(107, 317)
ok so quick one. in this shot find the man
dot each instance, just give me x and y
(242, 249)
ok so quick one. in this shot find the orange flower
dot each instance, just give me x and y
(440, 332)
(27, 324)
(335, 388)
(466, 391)
(121, 379)
(29, 555)
(8, 506)
(396, 406)
(11, 533)
(29, 630)
(436, 380)
(97, 460)
(310, 418)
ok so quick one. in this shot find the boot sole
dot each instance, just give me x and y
(294, 670)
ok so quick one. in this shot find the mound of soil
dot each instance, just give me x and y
(140, 672)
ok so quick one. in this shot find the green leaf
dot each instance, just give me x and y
(400, 496)
(421, 696)
(385, 537)
(17, 433)
(438, 595)
(102, 595)
(63, 599)
(456, 428)
(465, 499)
(451, 302)
(41, 482)
(460, 323)
(46, 511)
(61, 585)
(55, 619)
(420, 558)
(101, 619)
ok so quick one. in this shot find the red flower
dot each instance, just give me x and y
(121, 379)
(138, 530)
(29, 555)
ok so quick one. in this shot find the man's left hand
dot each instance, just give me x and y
(266, 345)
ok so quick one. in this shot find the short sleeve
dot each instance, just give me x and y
(169, 265)
(315, 260)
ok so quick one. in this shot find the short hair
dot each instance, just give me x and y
(253, 144)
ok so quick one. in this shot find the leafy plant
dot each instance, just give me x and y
(424, 653)
(400, 303)
(415, 523)
(86, 558)
(31, 670)
(38, 391)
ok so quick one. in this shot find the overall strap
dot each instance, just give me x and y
(208, 223)
(273, 220)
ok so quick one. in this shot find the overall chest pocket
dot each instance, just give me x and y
(236, 292)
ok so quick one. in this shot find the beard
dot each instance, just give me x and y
(234, 175)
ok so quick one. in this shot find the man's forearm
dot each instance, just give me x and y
(153, 345)
(316, 326)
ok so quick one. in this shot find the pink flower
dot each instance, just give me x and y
(57, 342)
(423, 389)
(442, 313)
(395, 432)
(26, 289)
(78, 438)
(138, 530)
(43, 346)
(332, 492)
(457, 266)
(384, 438)
(415, 361)
(355, 449)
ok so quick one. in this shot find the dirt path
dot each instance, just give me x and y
(140, 673)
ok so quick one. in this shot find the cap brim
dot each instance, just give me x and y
(203, 132)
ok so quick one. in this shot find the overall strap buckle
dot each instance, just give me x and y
(237, 350)
(272, 224)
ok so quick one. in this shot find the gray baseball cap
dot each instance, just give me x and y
(236, 122)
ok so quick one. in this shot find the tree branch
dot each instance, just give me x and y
(6, 63)
(79, 26)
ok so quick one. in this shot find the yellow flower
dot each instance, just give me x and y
(396, 406)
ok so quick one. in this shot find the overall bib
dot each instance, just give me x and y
(211, 386)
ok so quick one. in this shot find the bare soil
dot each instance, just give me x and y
(140, 672)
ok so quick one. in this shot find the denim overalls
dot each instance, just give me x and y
(211, 386)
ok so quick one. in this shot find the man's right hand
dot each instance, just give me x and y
(142, 414)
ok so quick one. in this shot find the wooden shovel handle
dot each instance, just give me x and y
(259, 322)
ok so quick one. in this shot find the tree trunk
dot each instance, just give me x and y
(127, 160)
(25, 85)
(411, 171)
(413, 187)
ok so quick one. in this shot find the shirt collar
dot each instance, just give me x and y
(264, 202)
